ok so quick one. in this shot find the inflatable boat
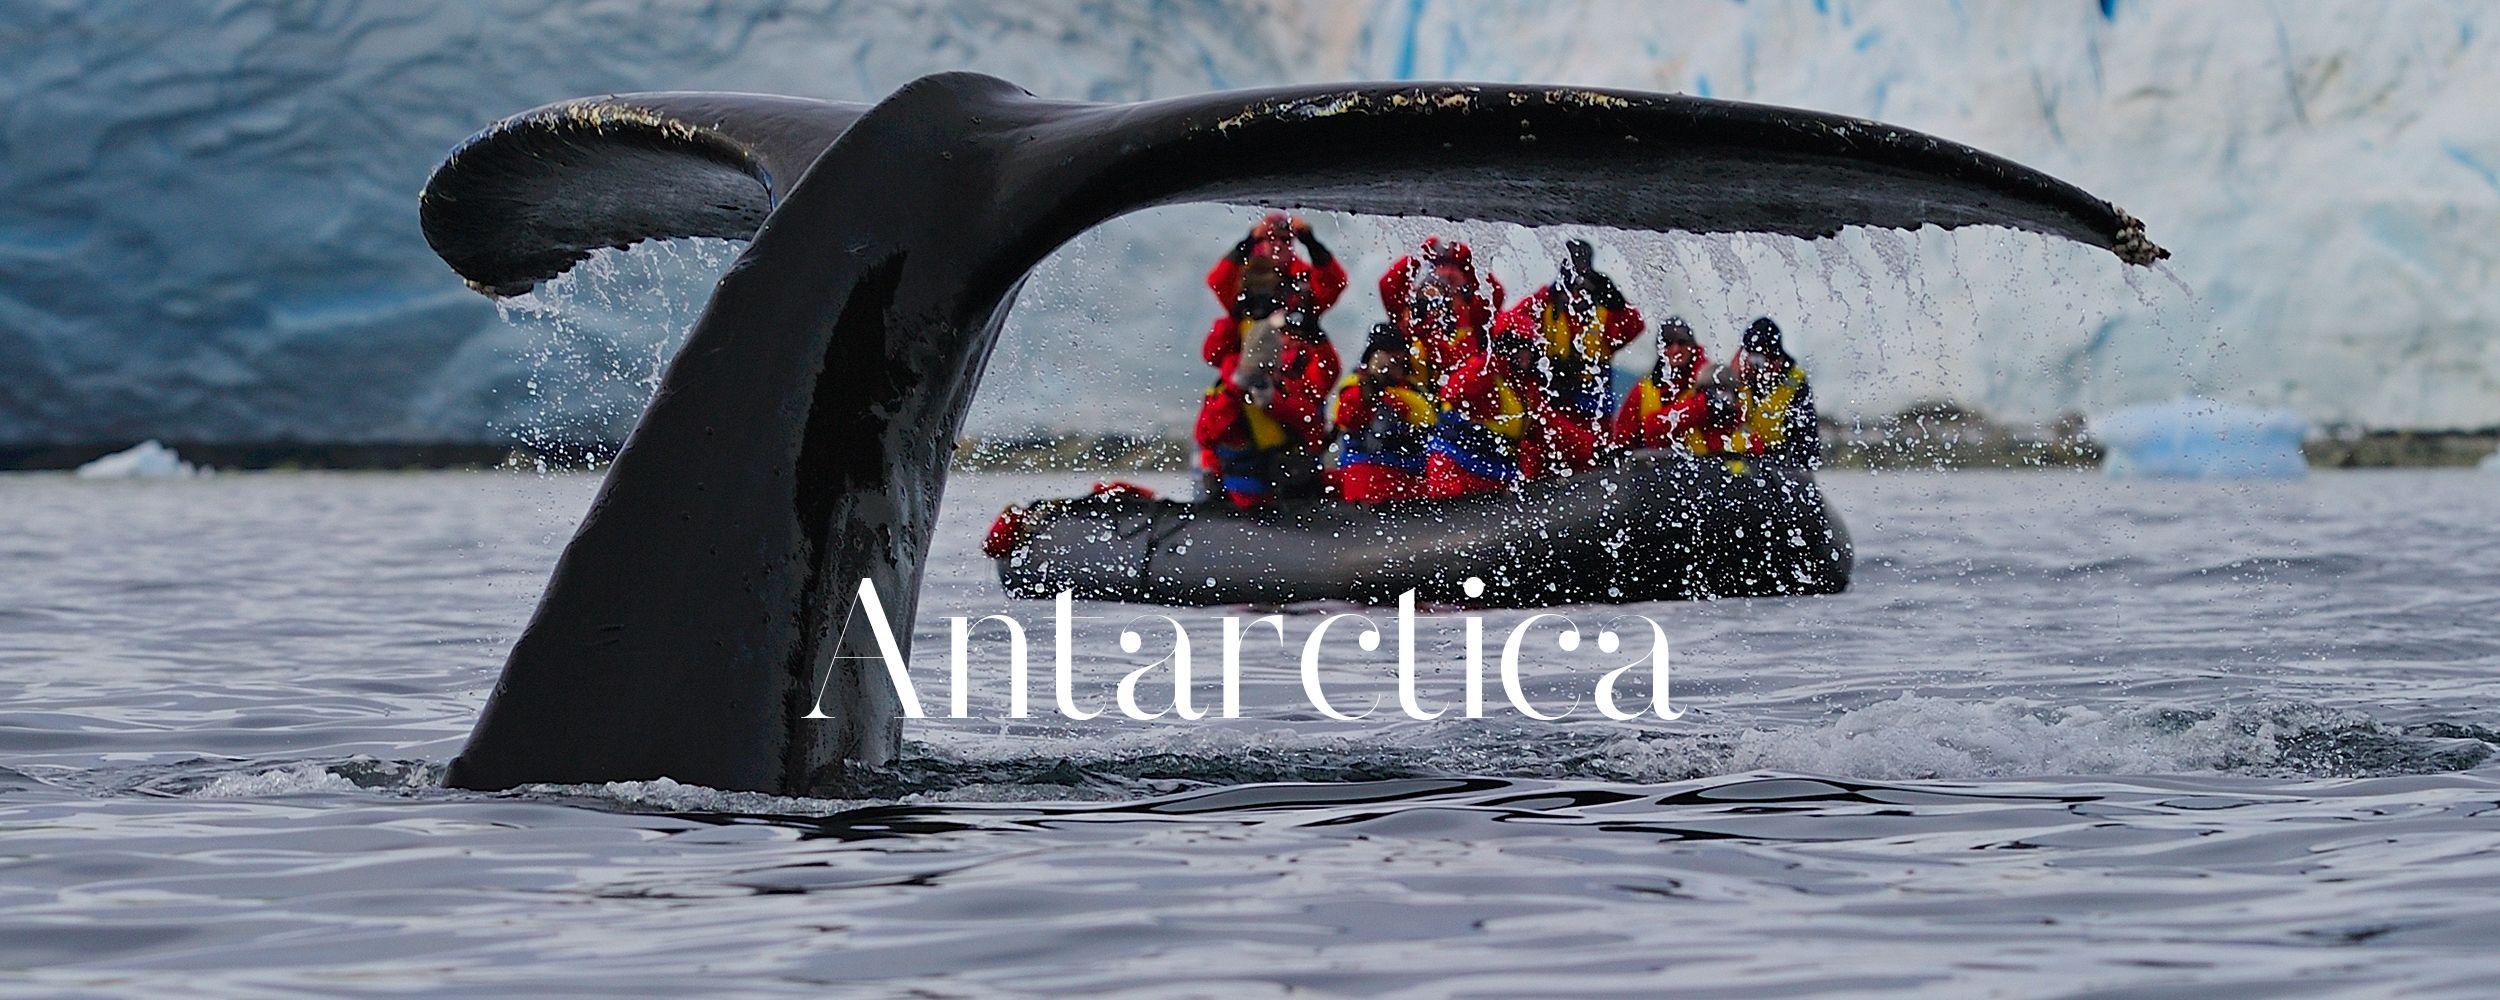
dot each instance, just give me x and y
(1654, 526)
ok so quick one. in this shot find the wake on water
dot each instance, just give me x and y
(1910, 738)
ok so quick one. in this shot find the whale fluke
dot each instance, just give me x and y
(798, 443)
(534, 194)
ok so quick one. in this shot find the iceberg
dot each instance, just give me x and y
(145, 460)
(2201, 439)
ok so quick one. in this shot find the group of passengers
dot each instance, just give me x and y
(1458, 393)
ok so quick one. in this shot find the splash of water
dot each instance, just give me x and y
(1103, 336)
(598, 339)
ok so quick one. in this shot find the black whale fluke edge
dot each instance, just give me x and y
(799, 442)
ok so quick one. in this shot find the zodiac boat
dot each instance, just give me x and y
(1657, 525)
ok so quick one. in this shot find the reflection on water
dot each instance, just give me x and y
(2064, 735)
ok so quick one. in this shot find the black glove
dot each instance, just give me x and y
(1579, 256)
(1602, 290)
(1319, 251)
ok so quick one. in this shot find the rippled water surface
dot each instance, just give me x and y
(2065, 736)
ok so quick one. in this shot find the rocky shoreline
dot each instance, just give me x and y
(1928, 436)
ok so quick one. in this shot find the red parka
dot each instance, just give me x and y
(1454, 264)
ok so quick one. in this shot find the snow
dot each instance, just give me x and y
(145, 460)
(207, 225)
(2201, 439)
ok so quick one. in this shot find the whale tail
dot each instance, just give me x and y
(704, 622)
(532, 195)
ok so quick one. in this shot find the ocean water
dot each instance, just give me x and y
(2066, 736)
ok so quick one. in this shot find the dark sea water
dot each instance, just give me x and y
(2066, 736)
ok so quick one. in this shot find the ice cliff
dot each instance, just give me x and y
(207, 222)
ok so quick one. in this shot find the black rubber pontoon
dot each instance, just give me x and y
(1657, 526)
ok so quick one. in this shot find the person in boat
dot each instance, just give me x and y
(1552, 441)
(1259, 426)
(1723, 415)
(1263, 283)
(1265, 265)
(1579, 320)
(1440, 332)
(1668, 408)
(1475, 444)
(1776, 402)
(1384, 422)
(1443, 273)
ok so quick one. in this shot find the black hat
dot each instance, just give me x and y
(1673, 330)
(1384, 337)
(1763, 337)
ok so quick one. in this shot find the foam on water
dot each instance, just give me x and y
(1915, 738)
(294, 779)
(1909, 738)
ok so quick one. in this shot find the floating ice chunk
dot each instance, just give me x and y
(2201, 439)
(146, 460)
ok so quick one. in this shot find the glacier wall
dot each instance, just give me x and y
(207, 222)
